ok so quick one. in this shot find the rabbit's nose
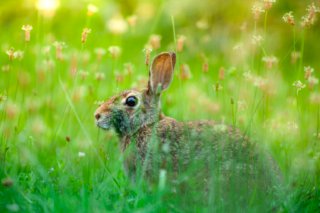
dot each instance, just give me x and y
(97, 116)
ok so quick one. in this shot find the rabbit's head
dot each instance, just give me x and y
(133, 109)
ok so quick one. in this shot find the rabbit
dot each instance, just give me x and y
(135, 114)
(136, 117)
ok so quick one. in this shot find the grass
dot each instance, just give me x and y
(54, 159)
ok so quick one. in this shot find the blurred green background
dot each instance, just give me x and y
(231, 67)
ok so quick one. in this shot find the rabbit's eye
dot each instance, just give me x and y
(132, 101)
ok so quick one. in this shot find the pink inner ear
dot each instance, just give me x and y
(162, 71)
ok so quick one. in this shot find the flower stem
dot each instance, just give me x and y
(301, 53)
(265, 22)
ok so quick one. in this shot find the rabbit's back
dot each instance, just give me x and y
(184, 142)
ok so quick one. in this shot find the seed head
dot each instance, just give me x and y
(100, 52)
(298, 85)
(119, 77)
(185, 72)
(18, 54)
(268, 3)
(10, 53)
(309, 19)
(99, 76)
(315, 98)
(308, 72)
(270, 61)
(295, 56)
(83, 74)
(132, 20)
(84, 35)
(288, 18)
(147, 51)
(59, 46)
(256, 39)
(257, 10)
(115, 51)
(221, 73)
(312, 81)
(180, 43)
(27, 29)
(155, 41)
(260, 82)
(128, 68)
(205, 67)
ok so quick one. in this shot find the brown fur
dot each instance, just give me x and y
(145, 122)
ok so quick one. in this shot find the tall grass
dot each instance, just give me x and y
(54, 158)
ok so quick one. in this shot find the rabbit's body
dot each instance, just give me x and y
(136, 117)
(204, 150)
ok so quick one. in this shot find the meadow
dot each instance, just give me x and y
(253, 65)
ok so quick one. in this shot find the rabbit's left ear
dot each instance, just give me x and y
(161, 72)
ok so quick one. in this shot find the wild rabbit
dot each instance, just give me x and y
(206, 146)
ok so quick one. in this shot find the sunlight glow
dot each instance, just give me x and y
(47, 7)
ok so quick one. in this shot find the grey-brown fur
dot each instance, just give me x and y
(210, 146)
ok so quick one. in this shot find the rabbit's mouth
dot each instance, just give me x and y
(104, 122)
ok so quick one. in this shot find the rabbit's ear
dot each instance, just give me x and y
(161, 72)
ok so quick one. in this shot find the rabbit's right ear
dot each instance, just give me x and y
(161, 72)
